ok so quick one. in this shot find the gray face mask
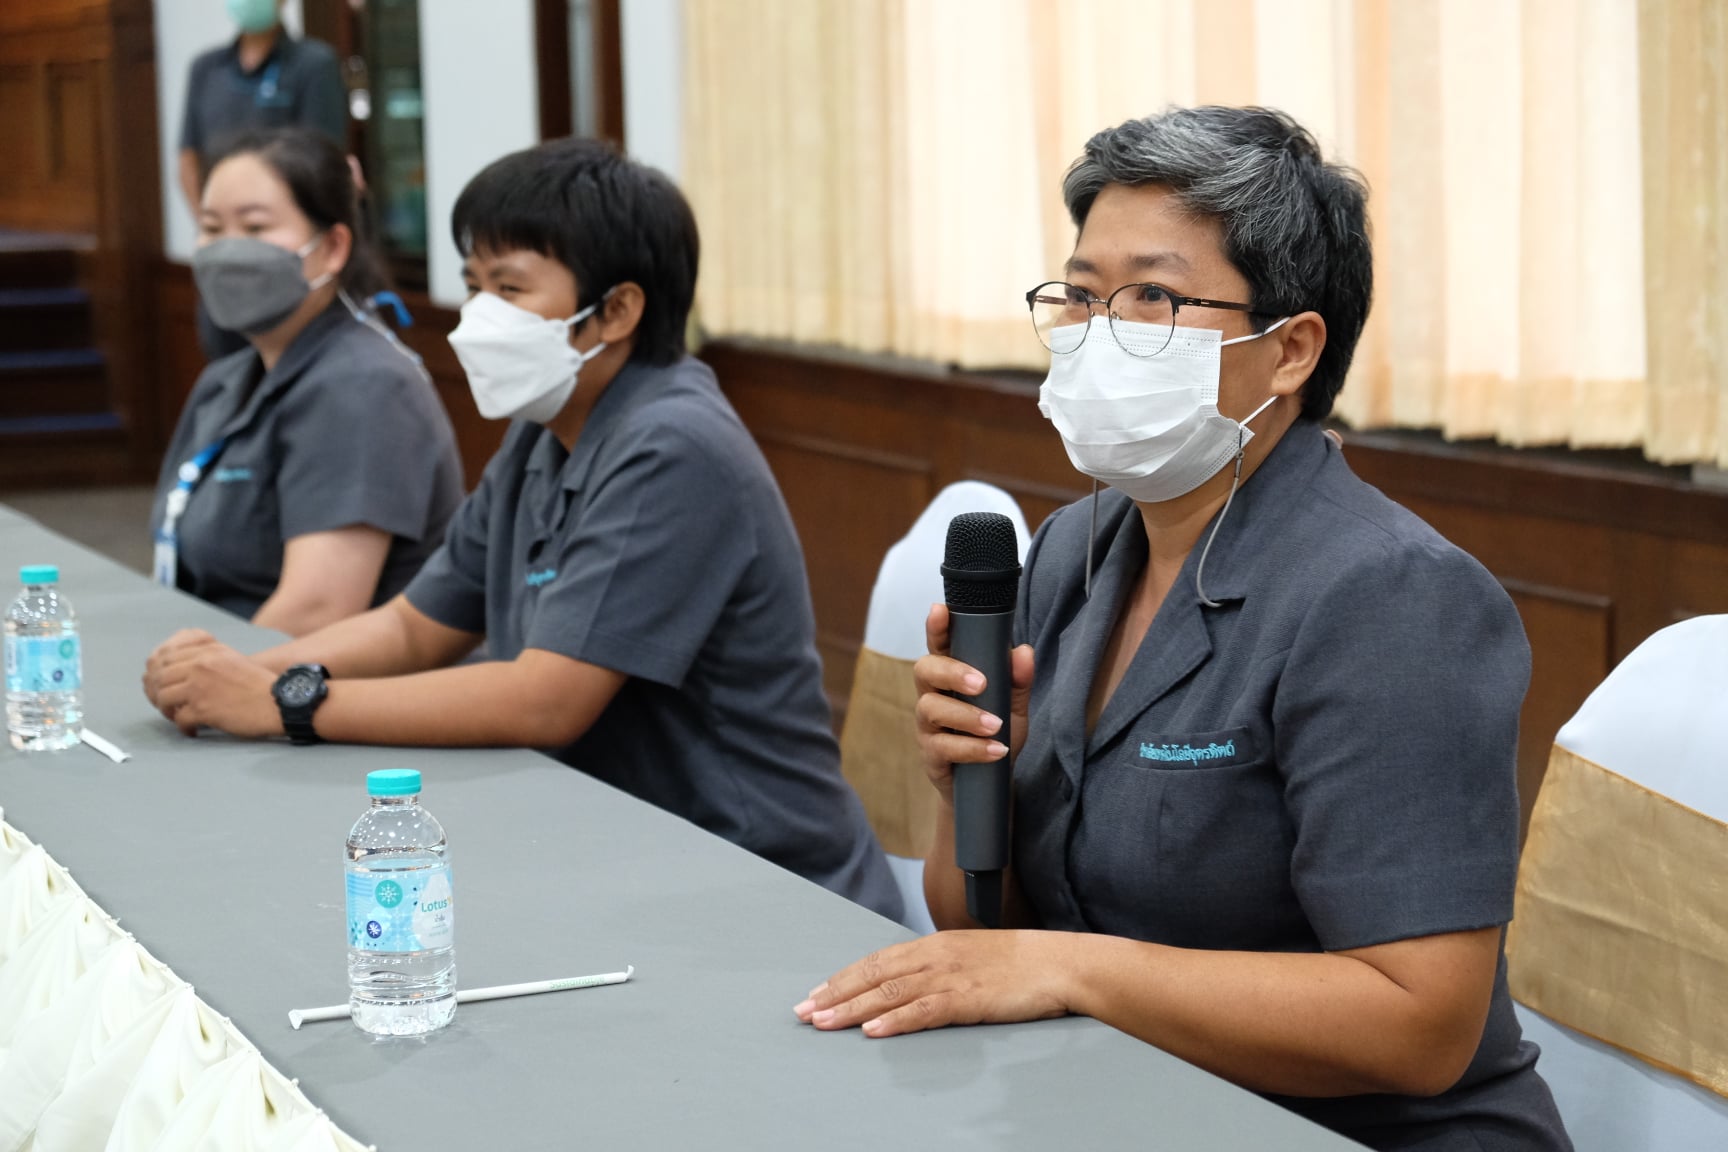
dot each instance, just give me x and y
(250, 286)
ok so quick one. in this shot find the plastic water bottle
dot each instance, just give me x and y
(44, 665)
(401, 915)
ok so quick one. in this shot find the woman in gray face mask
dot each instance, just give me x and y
(314, 471)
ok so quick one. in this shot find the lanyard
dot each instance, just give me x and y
(167, 563)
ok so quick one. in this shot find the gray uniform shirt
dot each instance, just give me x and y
(1324, 762)
(298, 83)
(345, 430)
(660, 548)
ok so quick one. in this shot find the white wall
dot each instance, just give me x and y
(477, 74)
(653, 51)
(481, 99)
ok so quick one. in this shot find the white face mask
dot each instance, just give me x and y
(1148, 426)
(520, 365)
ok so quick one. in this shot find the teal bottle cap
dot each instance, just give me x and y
(393, 782)
(39, 574)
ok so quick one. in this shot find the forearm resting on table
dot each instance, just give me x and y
(945, 885)
(538, 700)
(393, 639)
(1298, 1024)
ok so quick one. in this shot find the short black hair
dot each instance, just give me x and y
(1295, 226)
(322, 185)
(604, 216)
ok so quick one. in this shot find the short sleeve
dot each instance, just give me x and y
(1396, 725)
(357, 447)
(451, 586)
(323, 104)
(646, 572)
(191, 124)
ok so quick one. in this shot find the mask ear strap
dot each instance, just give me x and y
(1091, 534)
(1200, 568)
(1235, 483)
(1270, 400)
(1270, 328)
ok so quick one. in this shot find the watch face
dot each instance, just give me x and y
(299, 689)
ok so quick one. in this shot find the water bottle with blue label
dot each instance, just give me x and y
(44, 665)
(401, 913)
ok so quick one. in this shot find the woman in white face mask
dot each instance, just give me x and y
(1265, 721)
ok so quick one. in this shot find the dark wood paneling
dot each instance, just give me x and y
(1596, 552)
(53, 82)
(78, 141)
(609, 70)
(1570, 653)
(845, 500)
(555, 71)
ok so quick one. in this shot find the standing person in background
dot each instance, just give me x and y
(264, 78)
(313, 472)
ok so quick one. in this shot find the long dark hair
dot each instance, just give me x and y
(318, 177)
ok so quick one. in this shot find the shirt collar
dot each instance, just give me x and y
(634, 385)
(296, 358)
(279, 53)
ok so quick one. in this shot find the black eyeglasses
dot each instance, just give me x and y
(1061, 313)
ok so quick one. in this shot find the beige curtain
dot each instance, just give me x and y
(884, 175)
(1683, 76)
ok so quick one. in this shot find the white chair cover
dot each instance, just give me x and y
(1661, 720)
(102, 1047)
(910, 579)
(908, 582)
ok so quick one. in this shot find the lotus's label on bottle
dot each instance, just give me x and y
(43, 664)
(406, 911)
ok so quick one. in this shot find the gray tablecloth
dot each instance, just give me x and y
(225, 860)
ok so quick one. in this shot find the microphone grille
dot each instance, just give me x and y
(981, 565)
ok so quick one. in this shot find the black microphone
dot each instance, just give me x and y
(980, 580)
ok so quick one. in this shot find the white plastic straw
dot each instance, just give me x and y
(301, 1016)
(109, 750)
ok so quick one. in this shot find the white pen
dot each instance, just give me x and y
(301, 1016)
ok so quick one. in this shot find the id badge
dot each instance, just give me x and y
(165, 567)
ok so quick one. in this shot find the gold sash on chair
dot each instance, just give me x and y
(879, 754)
(1621, 925)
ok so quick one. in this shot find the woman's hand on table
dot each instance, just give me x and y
(196, 681)
(981, 977)
(954, 731)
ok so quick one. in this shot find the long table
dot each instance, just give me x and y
(224, 859)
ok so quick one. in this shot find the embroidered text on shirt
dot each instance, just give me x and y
(544, 576)
(1187, 752)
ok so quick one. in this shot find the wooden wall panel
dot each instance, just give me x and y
(1596, 554)
(78, 155)
(53, 85)
(20, 130)
(1570, 652)
(850, 504)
